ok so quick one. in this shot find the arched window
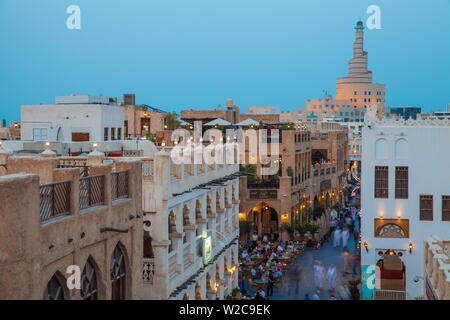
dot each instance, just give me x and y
(117, 269)
(54, 289)
(89, 282)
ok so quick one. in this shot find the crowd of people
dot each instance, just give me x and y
(263, 263)
(262, 266)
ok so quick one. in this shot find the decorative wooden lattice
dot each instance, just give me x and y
(92, 190)
(55, 200)
(148, 270)
(119, 185)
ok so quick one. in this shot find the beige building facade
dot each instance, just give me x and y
(55, 221)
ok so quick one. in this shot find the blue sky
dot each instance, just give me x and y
(178, 54)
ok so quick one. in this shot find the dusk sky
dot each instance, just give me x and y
(180, 54)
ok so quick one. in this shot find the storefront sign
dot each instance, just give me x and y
(263, 194)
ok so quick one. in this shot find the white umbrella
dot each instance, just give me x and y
(248, 122)
(218, 122)
(183, 123)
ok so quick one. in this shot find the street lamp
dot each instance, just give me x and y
(366, 246)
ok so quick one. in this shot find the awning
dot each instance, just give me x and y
(248, 122)
(218, 122)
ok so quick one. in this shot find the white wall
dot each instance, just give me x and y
(428, 157)
(70, 118)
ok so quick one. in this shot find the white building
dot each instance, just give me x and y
(405, 199)
(73, 118)
(191, 244)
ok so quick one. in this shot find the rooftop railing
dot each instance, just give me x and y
(92, 191)
(119, 186)
(54, 200)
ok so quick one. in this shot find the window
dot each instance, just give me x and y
(113, 133)
(445, 208)
(54, 289)
(117, 274)
(356, 93)
(125, 128)
(106, 133)
(426, 207)
(119, 133)
(401, 182)
(381, 182)
(355, 100)
(40, 134)
(89, 282)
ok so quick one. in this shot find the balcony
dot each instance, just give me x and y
(264, 184)
(55, 200)
(389, 295)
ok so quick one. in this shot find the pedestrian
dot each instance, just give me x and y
(332, 297)
(345, 235)
(343, 292)
(331, 276)
(337, 237)
(270, 282)
(346, 255)
(318, 274)
(307, 297)
(316, 296)
(255, 237)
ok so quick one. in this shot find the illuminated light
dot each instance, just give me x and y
(165, 126)
(163, 143)
(191, 127)
(144, 138)
(242, 216)
(410, 246)
(47, 144)
(366, 246)
(94, 145)
(175, 142)
(285, 216)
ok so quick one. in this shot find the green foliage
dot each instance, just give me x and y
(250, 171)
(289, 228)
(315, 213)
(245, 227)
(171, 121)
(150, 136)
(290, 126)
(312, 228)
(290, 171)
